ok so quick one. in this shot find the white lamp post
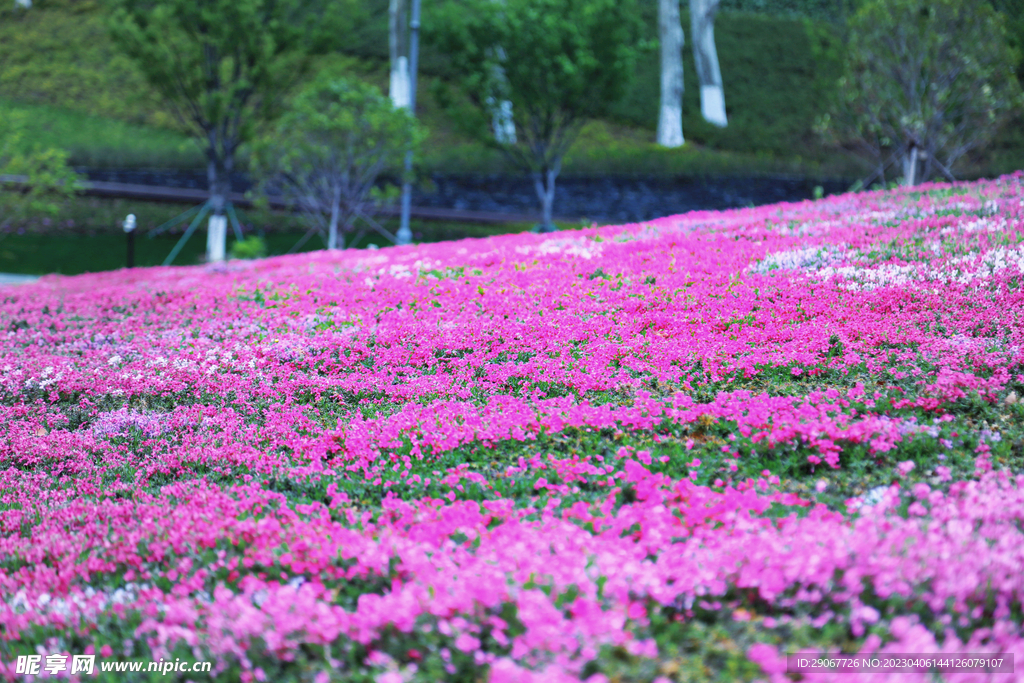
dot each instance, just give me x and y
(129, 229)
(404, 233)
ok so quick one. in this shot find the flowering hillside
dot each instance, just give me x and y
(679, 450)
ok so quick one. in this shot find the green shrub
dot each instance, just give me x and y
(45, 169)
(252, 247)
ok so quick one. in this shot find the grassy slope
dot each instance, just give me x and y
(94, 140)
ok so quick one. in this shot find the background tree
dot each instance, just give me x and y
(705, 59)
(925, 82)
(564, 61)
(222, 65)
(328, 150)
(37, 177)
(1012, 12)
(670, 37)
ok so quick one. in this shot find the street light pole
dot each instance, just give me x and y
(129, 229)
(404, 233)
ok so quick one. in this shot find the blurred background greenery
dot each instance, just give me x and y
(780, 60)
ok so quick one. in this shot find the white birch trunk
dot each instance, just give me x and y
(670, 33)
(910, 167)
(24, 4)
(399, 85)
(502, 123)
(545, 186)
(705, 58)
(544, 182)
(332, 228)
(216, 238)
(399, 88)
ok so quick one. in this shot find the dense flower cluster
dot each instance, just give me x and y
(531, 458)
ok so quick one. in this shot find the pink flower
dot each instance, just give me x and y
(466, 642)
(767, 658)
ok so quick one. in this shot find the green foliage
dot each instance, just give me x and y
(44, 170)
(59, 54)
(84, 95)
(829, 10)
(562, 61)
(933, 74)
(771, 110)
(222, 65)
(1012, 18)
(557, 62)
(327, 152)
(251, 247)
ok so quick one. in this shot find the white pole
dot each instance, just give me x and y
(216, 237)
(404, 233)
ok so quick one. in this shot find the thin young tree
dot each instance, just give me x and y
(327, 152)
(705, 59)
(670, 35)
(925, 82)
(563, 62)
(222, 65)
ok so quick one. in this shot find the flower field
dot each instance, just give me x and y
(672, 451)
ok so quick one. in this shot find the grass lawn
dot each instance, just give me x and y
(102, 141)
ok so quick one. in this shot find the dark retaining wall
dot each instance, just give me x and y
(611, 198)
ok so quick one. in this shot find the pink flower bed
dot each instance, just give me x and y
(338, 466)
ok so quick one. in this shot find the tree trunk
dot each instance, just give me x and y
(332, 230)
(705, 57)
(218, 174)
(544, 183)
(399, 90)
(501, 119)
(910, 166)
(670, 33)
